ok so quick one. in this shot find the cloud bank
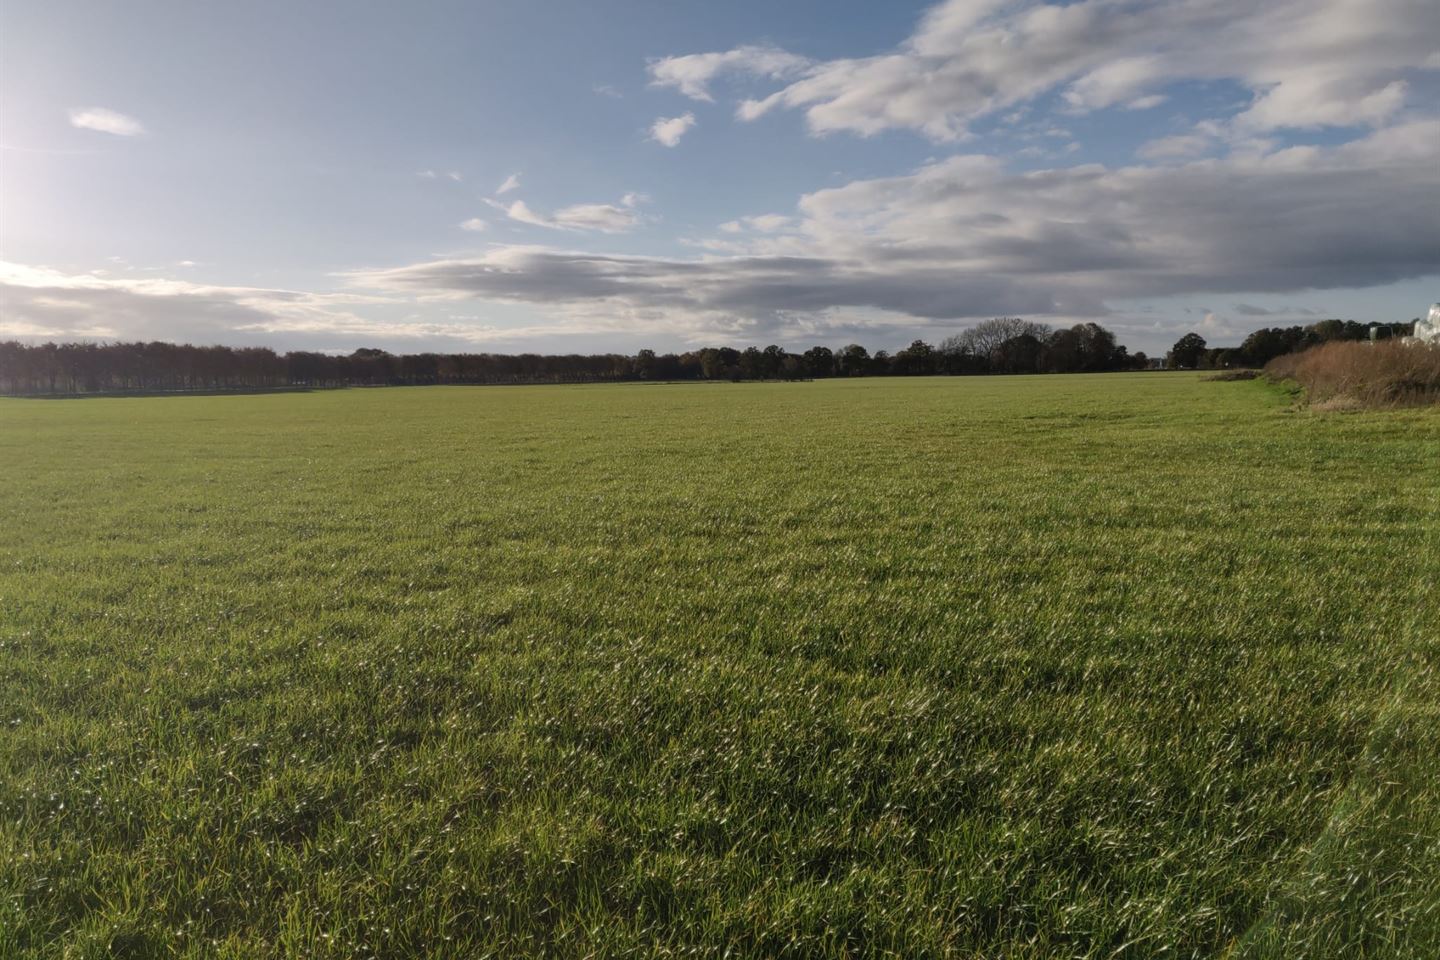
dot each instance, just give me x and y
(963, 238)
(1340, 62)
(1212, 206)
(956, 240)
(40, 302)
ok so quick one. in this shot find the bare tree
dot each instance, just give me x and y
(983, 339)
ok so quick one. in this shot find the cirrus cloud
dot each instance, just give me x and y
(103, 120)
(580, 217)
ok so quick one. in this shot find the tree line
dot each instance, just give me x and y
(1001, 345)
(1191, 352)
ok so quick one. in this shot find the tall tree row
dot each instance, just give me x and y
(997, 346)
(1191, 352)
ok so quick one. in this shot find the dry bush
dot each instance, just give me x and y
(1344, 374)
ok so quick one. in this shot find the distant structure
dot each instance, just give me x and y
(1427, 330)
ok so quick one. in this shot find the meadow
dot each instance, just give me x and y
(1112, 666)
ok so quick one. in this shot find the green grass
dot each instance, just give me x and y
(1117, 666)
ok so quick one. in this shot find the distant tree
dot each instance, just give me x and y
(121, 367)
(774, 362)
(668, 367)
(854, 361)
(1064, 352)
(712, 365)
(419, 368)
(819, 362)
(983, 338)
(1187, 353)
(14, 367)
(370, 365)
(1223, 358)
(646, 366)
(953, 344)
(1098, 347)
(752, 364)
(1266, 344)
(918, 359)
(955, 356)
(1017, 355)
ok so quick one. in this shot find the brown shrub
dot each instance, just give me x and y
(1342, 403)
(1342, 374)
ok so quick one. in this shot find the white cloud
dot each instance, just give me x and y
(1114, 82)
(474, 225)
(584, 217)
(1146, 102)
(43, 302)
(46, 304)
(520, 211)
(691, 74)
(1340, 63)
(669, 130)
(512, 182)
(600, 217)
(106, 121)
(768, 222)
(763, 223)
(1214, 325)
(959, 238)
(1318, 102)
(965, 238)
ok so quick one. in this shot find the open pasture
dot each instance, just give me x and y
(1088, 666)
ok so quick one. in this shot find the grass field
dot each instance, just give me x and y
(1090, 666)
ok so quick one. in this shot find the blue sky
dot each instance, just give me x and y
(328, 175)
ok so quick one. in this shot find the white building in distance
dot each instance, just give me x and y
(1427, 329)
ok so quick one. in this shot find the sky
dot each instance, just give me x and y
(563, 176)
